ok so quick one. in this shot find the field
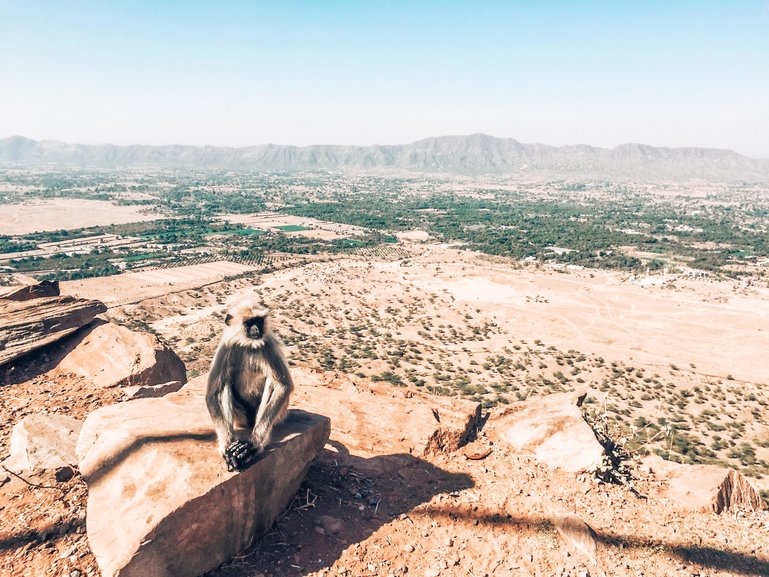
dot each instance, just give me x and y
(137, 286)
(68, 213)
(293, 225)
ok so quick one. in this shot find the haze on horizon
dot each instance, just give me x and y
(300, 72)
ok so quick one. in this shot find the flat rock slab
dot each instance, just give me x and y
(161, 502)
(551, 429)
(41, 443)
(111, 355)
(378, 427)
(704, 488)
(26, 326)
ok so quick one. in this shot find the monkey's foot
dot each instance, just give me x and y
(240, 455)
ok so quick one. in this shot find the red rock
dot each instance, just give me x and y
(378, 426)
(44, 288)
(161, 502)
(25, 326)
(111, 355)
(552, 429)
(704, 488)
(42, 443)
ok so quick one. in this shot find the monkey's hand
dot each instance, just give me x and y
(240, 455)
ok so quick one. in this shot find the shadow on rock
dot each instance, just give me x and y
(343, 500)
(44, 359)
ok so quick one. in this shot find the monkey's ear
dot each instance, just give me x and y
(228, 319)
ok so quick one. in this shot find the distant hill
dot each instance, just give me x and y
(473, 154)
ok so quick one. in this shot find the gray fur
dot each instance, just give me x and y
(249, 383)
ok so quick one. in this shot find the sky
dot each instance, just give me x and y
(226, 73)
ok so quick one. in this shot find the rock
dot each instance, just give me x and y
(160, 500)
(28, 325)
(379, 420)
(552, 429)
(331, 525)
(578, 536)
(151, 391)
(704, 488)
(45, 288)
(41, 443)
(64, 474)
(111, 355)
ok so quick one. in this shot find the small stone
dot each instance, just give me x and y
(320, 530)
(432, 572)
(331, 525)
(64, 474)
(408, 548)
(75, 573)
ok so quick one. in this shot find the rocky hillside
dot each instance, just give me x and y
(473, 154)
(110, 467)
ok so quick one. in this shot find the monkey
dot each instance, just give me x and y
(249, 384)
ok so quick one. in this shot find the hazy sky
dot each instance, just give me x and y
(237, 73)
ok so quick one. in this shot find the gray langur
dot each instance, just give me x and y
(249, 384)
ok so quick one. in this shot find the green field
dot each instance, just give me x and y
(290, 228)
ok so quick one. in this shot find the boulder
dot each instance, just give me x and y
(151, 391)
(379, 420)
(26, 326)
(45, 288)
(552, 429)
(111, 355)
(704, 488)
(41, 443)
(161, 502)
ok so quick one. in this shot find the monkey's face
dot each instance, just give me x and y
(254, 327)
(247, 323)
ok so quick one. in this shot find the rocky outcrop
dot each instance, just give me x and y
(553, 430)
(41, 443)
(704, 488)
(28, 325)
(111, 355)
(160, 500)
(377, 420)
(45, 288)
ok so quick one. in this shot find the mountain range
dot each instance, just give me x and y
(473, 155)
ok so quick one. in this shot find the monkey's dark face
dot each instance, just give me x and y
(254, 327)
(247, 324)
